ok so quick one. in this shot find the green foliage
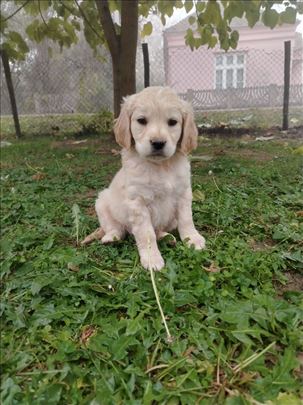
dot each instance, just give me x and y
(59, 125)
(147, 29)
(270, 18)
(211, 20)
(211, 24)
(61, 29)
(92, 30)
(76, 124)
(15, 46)
(81, 325)
(56, 29)
(99, 123)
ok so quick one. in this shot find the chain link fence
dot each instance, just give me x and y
(244, 88)
(57, 92)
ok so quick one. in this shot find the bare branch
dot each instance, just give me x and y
(87, 21)
(16, 11)
(113, 40)
(41, 15)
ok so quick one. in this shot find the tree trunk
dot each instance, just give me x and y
(11, 92)
(123, 47)
(117, 86)
(129, 37)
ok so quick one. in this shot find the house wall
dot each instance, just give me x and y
(189, 70)
(264, 64)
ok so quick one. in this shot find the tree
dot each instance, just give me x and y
(115, 23)
(10, 87)
(122, 44)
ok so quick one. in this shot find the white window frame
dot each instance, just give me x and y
(234, 66)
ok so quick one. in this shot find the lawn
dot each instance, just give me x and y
(80, 325)
(83, 124)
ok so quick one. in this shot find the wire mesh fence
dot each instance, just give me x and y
(59, 91)
(238, 80)
(60, 84)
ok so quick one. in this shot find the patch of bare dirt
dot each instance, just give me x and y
(258, 155)
(294, 283)
(68, 143)
(90, 211)
(6, 165)
(104, 144)
(258, 246)
(92, 193)
(227, 131)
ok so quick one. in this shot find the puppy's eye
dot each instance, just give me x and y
(171, 122)
(142, 121)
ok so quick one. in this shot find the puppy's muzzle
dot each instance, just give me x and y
(157, 145)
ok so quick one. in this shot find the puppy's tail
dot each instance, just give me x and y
(96, 235)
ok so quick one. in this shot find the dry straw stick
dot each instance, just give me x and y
(252, 358)
(169, 337)
(76, 216)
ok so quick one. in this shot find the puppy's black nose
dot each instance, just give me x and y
(158, 145)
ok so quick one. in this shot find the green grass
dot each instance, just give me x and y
(255, 118)
(81, 325)
(84, 124)
(58, 125)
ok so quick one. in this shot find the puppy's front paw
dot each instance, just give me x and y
(110, 237)
(196, 240)
(151, 260)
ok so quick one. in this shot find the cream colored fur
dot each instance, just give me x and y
(151, 194)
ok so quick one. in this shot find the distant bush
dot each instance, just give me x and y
(59, 124)
(98, 123)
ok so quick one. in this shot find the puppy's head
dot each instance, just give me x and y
(158, 123)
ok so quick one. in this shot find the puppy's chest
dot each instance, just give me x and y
(161, 188)
(158, 187)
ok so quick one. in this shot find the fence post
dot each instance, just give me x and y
(11, 92)
(287, 50)
(146, 64)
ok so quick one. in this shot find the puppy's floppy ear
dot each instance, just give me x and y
(189, 139)
(122, 127)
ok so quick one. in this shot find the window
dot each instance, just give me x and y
(219, 60)
(219, 79)
(229, 71)
(229, 78)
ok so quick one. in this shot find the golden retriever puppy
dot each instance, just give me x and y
(151, 194)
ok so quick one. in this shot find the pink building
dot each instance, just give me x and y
(250, 76)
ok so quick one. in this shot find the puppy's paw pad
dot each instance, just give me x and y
(109, 238)
(152, 262)
(197, 241)
(167, 237)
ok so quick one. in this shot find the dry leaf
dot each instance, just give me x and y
(204, 158)
(212, 268)
(299, 150)
(72, 267)
(38, 176)
(87, 332)
(115, 152)
(198, 195)
(189, 351)
(77, 142)
(265, 138)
